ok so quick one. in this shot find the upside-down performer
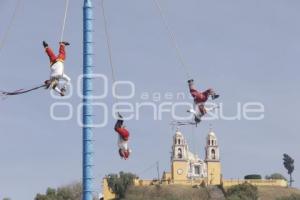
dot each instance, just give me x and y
(201, 97)
(124, 151)
(57, 68)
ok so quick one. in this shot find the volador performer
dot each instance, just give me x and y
(199, 99)
(123, 138)
(57, 68)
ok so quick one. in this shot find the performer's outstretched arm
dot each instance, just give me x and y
(57, 90)
(66, 78)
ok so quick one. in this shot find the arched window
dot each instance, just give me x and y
(178, 141)
(179, 153)
(213, 154)
(197, 170)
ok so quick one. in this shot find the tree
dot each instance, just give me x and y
(288, 163)
(253, 176)
(275, 176)
(244, 191)
(119, 183)
(69, 192)
(291, 197)
(6, 198)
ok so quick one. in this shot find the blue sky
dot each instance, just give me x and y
(247, 50)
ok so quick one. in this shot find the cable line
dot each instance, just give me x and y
(173, 40)
(10, 24)
(64, 21)
(108, 43)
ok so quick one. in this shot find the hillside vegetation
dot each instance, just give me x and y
(166, 192)
(273, 193)
(179, 192)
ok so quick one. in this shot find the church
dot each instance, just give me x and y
(187, 167)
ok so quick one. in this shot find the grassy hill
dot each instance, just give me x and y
(179, 192)
(272, 193)
(166, 192)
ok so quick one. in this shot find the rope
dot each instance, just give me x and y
(182, 123)
(173, 40)
(20, 91)
(148, 168)
(108, 43)
(64, 21)
(6, 34)
(194, 140)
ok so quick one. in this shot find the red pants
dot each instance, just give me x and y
(199, 97)
(61, 56)
(124, 133)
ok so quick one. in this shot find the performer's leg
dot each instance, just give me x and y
(198, 96)
(50, 54)
(192, 88)
(62, 52)
(123, 133)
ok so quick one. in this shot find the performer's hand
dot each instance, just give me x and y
(119, 115)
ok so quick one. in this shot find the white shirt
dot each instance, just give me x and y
(122, 144)
(57, 69)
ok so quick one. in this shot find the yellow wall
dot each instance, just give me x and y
(281, 183)
(214, 173)
(167, 176)
(179, 165)
(107, 193)
(189, 182)
(139, 182)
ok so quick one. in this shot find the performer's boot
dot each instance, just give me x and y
(45, 44)
(215, 96)
(65, 43)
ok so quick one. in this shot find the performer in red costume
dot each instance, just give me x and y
(201, 97)
(57, 68)
(124, 151)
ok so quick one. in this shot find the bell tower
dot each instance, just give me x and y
(212, 159)
(179, 157)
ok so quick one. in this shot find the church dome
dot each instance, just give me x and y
(212, 134)
(178, 133)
